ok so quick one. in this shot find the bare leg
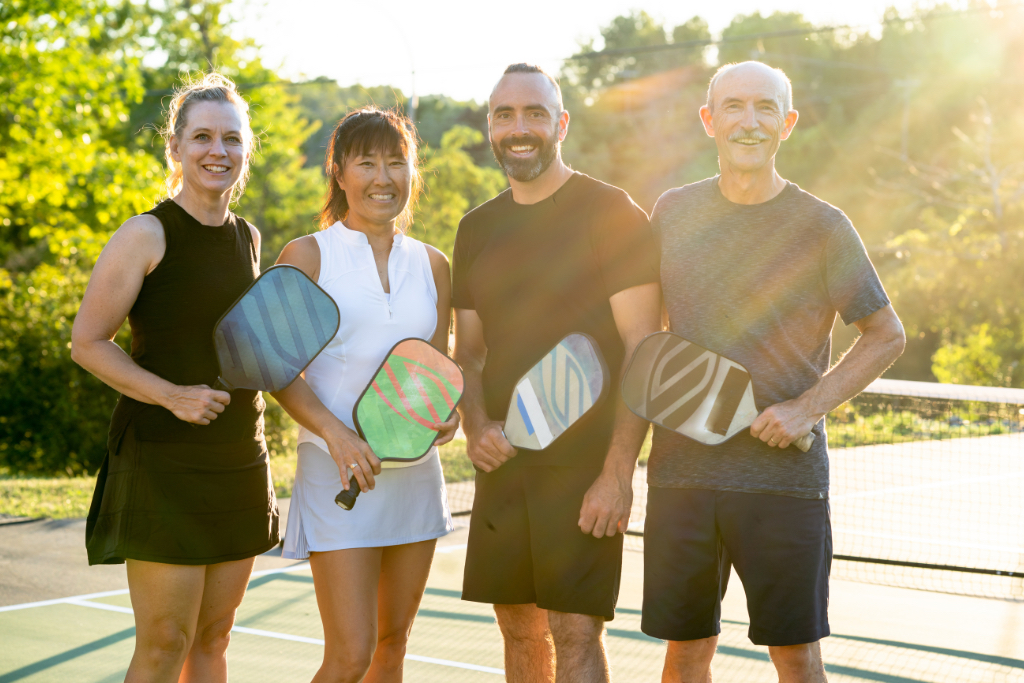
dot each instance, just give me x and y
(223, 590)
(689, 661)
(529, 648)
(798, 663)
(166, 599)
(579, 648)
(346, 593)
(403, 578)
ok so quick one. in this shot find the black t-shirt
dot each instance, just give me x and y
(535, 273)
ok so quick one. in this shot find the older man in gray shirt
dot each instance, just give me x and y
(756, 269)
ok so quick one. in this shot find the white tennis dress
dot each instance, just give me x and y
(409, 503)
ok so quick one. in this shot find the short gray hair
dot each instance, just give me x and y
(787, 103)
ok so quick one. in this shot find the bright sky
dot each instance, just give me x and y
(460, 48)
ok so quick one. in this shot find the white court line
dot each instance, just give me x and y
(279, 636)
(450, 548)
(282, 570)
(100, 605)
(82, 601)
(457, 665)
(930, 485)
(124, 591)
(61, 601)
(933, 541)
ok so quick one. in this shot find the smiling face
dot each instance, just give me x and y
(526, 125)
(212, 148)
(377, 186)
(748, 117)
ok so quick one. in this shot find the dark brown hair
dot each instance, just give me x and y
(362, 132)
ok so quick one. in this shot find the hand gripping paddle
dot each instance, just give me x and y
(273, 331)
(678, 385)
(564, 386)
(414, 387)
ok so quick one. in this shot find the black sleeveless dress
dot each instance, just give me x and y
(169, 491)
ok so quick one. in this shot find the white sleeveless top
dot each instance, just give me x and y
(371, 320)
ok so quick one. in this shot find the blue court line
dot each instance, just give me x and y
(74, 653)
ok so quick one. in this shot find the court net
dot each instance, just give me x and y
(927, 489)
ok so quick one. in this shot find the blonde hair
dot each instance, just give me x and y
(206, 87)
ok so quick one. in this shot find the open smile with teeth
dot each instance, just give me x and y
(521, 149)
(377, 197)
(214, 168)
(749, 142)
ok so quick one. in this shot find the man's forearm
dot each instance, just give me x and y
(872, 353)
(627, 440)
(472, 408)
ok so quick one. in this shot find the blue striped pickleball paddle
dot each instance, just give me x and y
(273, 331)
(698, 393)
(555, 393)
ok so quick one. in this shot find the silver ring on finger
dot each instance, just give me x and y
(772, 442)
(354, 466)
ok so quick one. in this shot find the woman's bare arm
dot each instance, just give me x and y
(345, 446)
(442, 273)
(132, 253)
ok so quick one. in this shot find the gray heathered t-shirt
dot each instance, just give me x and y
(760, 284)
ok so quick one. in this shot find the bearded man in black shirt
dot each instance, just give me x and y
(556, 253)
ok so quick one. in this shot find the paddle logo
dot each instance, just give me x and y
(431, 389)
(415, 387)
(274, 330)
(556, 392)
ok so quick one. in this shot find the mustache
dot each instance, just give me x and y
(524, 140)
(750, 135)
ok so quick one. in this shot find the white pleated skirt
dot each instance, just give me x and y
(408, 505)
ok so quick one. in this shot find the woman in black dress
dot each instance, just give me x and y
(184, 494)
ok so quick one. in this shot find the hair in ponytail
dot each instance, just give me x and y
(207, 87)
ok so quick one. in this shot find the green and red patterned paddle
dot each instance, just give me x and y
(416, 386)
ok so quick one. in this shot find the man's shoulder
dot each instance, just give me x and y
(600, 193)
(820, 211)
(486, 212)
(700, 191)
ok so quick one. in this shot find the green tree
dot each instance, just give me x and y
(453, 184)
(68, 75)
(973, 360)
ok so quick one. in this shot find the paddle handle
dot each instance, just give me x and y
(347, 499)
(804, 442)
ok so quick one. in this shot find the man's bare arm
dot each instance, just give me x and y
(486, 446)
(606, 505)
(881, 342)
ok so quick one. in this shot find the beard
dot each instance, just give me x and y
(525, 170)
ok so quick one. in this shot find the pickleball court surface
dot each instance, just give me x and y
(892, 635)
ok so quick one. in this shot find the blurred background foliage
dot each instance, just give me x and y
(915, 132)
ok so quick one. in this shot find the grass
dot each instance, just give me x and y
(60, 498)
(69, 497)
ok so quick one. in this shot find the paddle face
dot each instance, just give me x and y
(555, 393)
(414, 387)
(274, 330)
(686, 388)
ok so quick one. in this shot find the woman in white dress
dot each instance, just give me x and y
(369, 564)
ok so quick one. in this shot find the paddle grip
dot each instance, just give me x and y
(804, 442)
(347, 499)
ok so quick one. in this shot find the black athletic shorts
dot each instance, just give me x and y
(526, 546)
(780, 546)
